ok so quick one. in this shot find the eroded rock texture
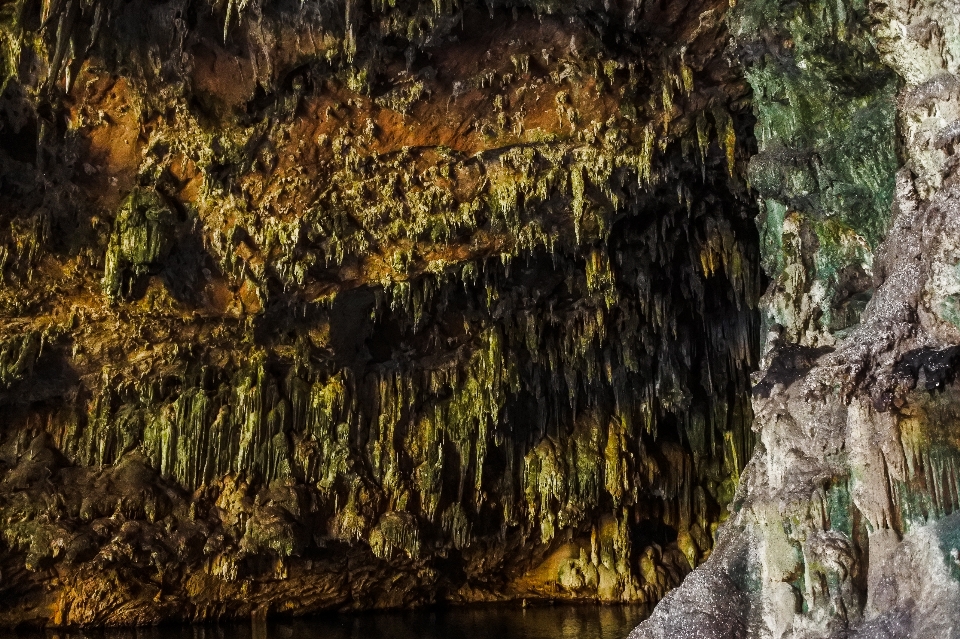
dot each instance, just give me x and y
(315, 304)
(846, 521)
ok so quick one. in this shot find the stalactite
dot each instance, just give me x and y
(323, 338)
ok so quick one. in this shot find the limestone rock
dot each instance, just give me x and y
(337, 305)
(845, 524)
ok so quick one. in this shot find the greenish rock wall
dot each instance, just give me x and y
(846, 520)
(826, 160)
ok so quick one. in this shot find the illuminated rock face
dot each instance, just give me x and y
(318, 305)
(846, 520)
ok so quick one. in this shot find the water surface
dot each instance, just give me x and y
(475, 622)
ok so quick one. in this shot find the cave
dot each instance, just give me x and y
(318, 306)
(370, 307)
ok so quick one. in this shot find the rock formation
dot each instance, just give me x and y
(325, 304)
(846, 523)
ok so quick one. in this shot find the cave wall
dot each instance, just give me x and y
(325, 305)
(846, 520)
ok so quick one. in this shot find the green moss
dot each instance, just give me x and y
(825, 128)
(948, 536)
(402, 98)
(271, 531)
(18, 354)
(37, 539)
(770, 222)
(840, 507)
(142, 235)
(457, 526)
(395, 532)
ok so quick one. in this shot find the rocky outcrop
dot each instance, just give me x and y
(313, 305)
(845, 523)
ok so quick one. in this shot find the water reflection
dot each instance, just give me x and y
(483, 622)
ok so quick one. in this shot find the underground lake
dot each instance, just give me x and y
(492, 621)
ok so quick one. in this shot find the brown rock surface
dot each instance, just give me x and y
(315, 305)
